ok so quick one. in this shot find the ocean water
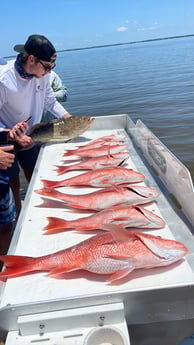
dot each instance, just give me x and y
(152, 81)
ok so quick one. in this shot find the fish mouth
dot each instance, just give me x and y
(136, 192)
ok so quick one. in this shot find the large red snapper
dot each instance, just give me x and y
(100, 254)
(104, 198)
(123, 215)
(117, 159)
(104, 177)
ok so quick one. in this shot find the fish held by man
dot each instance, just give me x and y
(123, 215)
(104, 177)
(62, 129)
(104, 198)
(100, 254)
(116, 159)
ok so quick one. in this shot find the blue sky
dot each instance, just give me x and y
(83, 23)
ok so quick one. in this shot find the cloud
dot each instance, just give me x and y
(122, 28)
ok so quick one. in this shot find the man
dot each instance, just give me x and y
(7, 204)
(24, 92)
(60, 92)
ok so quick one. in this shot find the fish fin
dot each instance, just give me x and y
(119, 233)
(50, 192)
(61, 270)
(120, 189)
(61, 169)
(56, 225)
(51, 184)
(16, 266)
(44, 191)
(15, 260)
(120, 274)
(48, 203)
(80, 207)
(117, 188)
(69, 153)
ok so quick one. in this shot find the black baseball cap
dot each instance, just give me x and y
(39, 46)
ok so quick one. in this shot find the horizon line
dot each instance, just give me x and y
(117, 44)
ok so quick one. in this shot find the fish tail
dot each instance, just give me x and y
(69, 153)
(49, 203)
(56, 225)
(62, 169)
(50, 184)
(16, 266)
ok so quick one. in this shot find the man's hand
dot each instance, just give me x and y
(17, 133)
(24, 140)
(6, 158)
(67, 115)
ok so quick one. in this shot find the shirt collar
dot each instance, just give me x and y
(19, 68)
